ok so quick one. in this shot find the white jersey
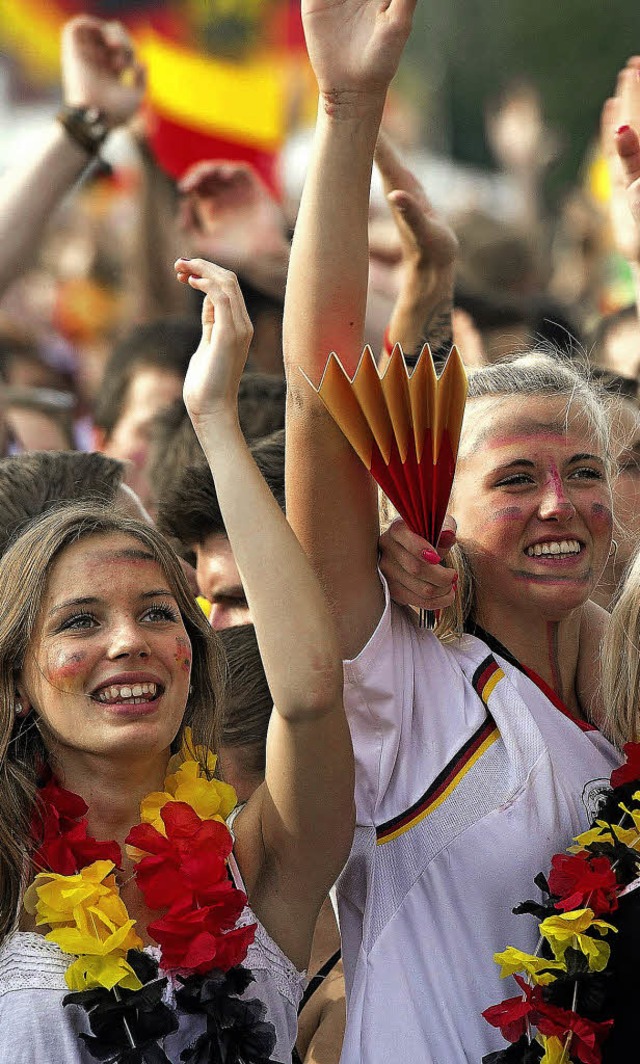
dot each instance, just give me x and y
(470, 775)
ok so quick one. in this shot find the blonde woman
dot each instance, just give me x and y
(474, 757)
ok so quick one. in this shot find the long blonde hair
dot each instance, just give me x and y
(24, 570)
(621, 663)
(537, 373)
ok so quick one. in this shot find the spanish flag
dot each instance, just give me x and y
(220, 73)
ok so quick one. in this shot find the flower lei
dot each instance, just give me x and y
(564, 1013)
(181, 849)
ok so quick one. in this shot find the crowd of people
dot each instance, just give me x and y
(251, 809)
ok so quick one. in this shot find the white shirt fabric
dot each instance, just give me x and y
(35, 1028)
(468, 780)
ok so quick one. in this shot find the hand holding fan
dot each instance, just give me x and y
(405, 429)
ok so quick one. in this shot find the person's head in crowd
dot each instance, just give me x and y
(615, 343)
(532, 492)
(83, 550)
(144, 375)
(37, 419)
(24, 364)
(247, 710)
(189, 513)
(174, 445)
(32, 484)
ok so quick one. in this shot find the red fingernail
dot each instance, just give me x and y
(622, 129)
(431, 556)
(454, 582)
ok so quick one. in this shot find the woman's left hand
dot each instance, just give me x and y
(211, 383)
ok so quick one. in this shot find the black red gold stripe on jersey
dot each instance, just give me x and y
(485, 679)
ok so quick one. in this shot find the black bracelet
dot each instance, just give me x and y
(87, 126)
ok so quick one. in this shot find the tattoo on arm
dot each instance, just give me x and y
(437, 331)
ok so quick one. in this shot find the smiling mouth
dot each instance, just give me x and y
(136, 694)
(562, 548)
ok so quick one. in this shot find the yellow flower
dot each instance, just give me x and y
(569, 930)
(554, 1051)
(514, 960)
(89, 920)
(601, 833)
(112, 970)
(54, 899)
(210, 799)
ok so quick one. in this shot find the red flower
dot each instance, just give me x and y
(189, 863)
(587, 1036)
(193, 939)
(65, 847)
(582, 880)
(630, 771)
(513, 1015)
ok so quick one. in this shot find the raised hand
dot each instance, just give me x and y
(212, 380)
(426, 239)
(355, 45)
(429, 248)
(100, 69)
(623, 110)
(228, 214)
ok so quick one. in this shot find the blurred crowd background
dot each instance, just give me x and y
(496, 111)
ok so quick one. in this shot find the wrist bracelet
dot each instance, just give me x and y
(87, 126)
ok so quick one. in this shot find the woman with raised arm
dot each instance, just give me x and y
(107, 668)
(474, 756)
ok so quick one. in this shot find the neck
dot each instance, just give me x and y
(548, 647)
(112, 789)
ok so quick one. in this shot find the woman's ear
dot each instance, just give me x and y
(21, 703)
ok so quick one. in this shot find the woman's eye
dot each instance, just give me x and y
(515, 480)
(586, 473)
(160, 614)
(78, 622)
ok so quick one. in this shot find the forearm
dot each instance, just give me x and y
(423, 314)
(328, 271)
(28, 198)
(294, 630)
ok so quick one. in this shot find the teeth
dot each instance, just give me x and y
(122, 693)
(565, 546)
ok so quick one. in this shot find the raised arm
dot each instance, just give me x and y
(354, 47)
(99, 71)
(294, 835)
(423, 310)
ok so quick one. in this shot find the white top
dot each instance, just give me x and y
(35, 1028)
(468, 780)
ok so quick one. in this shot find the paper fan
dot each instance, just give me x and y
(404, 427)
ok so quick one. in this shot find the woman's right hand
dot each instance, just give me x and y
(355, 45)
(411, 566)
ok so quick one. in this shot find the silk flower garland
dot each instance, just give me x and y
(181, 849)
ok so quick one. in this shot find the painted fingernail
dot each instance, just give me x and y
(454, 582)
(622, 129)
(431, 556)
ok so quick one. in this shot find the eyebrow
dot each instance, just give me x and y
(528, 464)
(92, 600)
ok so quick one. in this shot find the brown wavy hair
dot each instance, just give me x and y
(24, 571)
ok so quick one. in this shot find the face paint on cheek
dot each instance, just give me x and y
(183, 654)
(602, 514)
(64, 670)
(507, 513)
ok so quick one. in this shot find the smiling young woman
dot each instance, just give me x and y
(475, 758)
(113, 832)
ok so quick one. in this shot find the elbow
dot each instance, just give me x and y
(320, 695)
